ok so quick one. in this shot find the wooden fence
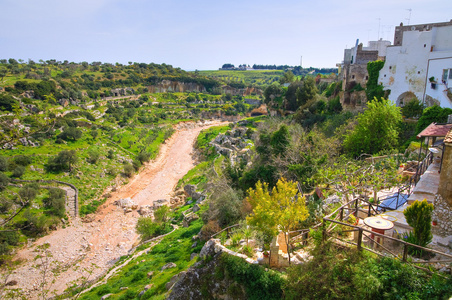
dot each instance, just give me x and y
(334, 226)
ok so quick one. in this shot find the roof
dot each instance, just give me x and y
(448, 138)
(435, 129)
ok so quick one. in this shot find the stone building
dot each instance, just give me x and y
(419, 64)
(354, 70)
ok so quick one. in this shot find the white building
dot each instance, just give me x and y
(420, 64)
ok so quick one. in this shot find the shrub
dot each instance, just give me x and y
(18, 171)
(258, 283)
(56, 202)
(136, 164)
(70, 133)
(63, 161)
(4, 180)
(128, 170)
(110, 154)
(22, 160)
(144, 157)
(148, 228)
(29, 192)
(3, 164)
(93, 156)
(419, 216)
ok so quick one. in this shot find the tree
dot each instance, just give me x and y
(419, 216)
(307, 91)
(273, 95)
(70, 133)
(56, 202)
(288, 77)
(432, 114)
(291, 95)
(377, 129)
(3, 164)
(63, 161)
(282, 209)
(161, 215)
(413, 108)
(29, 192)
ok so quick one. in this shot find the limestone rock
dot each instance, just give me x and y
(169, 266)
(127, 204)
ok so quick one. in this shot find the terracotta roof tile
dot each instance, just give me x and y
(448, 138)
(435, 130)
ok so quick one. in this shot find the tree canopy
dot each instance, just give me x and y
(376, 129)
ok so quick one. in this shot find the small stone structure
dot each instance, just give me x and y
(278, 248)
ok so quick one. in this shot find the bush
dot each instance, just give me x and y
(377, 129)
(128, 170)
(419, 216)
(22, 160)
(258, 283)
(413, 108)
(63, 161)
(18, 171)
(56, 202)
(136, 164)
(29, 192)
(70, 133)
(110, 154)
(3, 164)
(4, 180)
(144, 157)
(148, 228)
(93, 156)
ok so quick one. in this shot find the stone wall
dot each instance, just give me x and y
(445, 182)
(442, 214)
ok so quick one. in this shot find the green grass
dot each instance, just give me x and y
(175, 248)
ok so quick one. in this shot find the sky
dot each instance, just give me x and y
(201, 34)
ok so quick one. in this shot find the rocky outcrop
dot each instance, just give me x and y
(202, 281)
(232, 144)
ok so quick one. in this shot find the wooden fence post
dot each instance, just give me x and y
(342, 214)
(360, 238)
(324, 230)
(405, 252)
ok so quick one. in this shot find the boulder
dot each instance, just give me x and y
(189, 218)
(146, 211)
(169, 266)
(196, 208)
(127, 204)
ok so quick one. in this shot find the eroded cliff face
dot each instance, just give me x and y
(182, 87)
(176, 86)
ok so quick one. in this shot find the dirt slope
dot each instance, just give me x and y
(111, 234)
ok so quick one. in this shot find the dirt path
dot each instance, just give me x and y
(112, 233)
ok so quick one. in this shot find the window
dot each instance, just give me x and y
(425, 45)
(419, 72)
(450, 73)
(367, 77)
(390, 67)
(353, 76)
(445, 73)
